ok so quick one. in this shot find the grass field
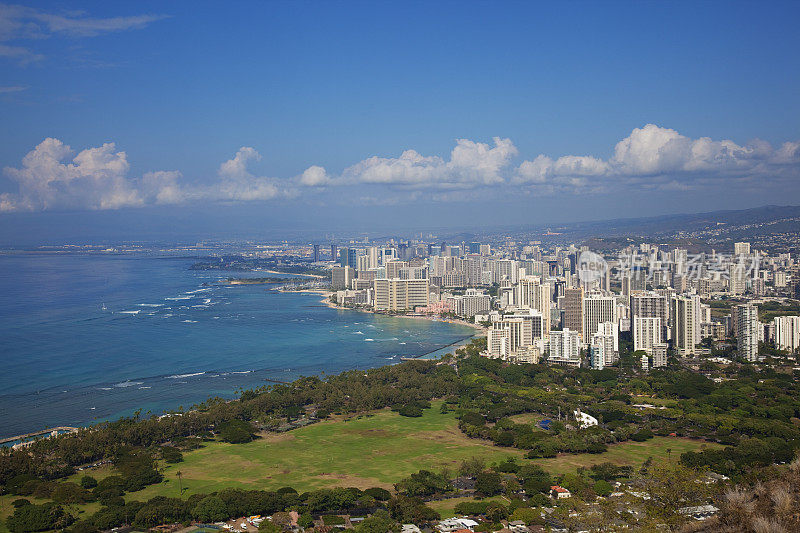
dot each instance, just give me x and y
(374, 450)
(446, 507)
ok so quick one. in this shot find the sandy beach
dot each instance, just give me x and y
(326, 300)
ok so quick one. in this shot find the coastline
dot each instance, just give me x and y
(326, 300)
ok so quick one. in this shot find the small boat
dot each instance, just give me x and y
(104, 308)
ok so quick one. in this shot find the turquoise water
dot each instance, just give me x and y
(168, 337)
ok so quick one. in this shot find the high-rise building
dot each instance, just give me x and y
(651, 305)
(596, 310)
(401, 294)
(316, 253)
(741, 248)
(604, 346)
(341, 276)
(531, 292)
(564, 348)
(787, 332)
(512, 332)
(393, 268)
(736, 279)
(659, 354)
(746, 317)
(334, 253)
(471, 303)
(573, 310)
(683, 324)
(646, 333)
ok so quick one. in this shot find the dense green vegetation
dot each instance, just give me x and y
(750, 417)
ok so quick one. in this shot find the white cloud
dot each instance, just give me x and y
(12, 89)
(471, 164)
(662, 157)
(314, 176)
(23, 55)
(651, 158)
(239, 184)
(21, 22)
(97, 178)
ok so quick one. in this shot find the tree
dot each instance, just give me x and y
(45, 517)
(472, 467)
(602, 488)
(379, 494)
(180, 481)
(88, 482)
(671, 487)
(210, 509)
(380, 522)
(488, 483)
(268, 527)
(236, 431)
(528, 515)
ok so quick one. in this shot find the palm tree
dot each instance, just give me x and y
(180, 481)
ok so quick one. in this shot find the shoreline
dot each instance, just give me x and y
(479, 330)
(326, 300)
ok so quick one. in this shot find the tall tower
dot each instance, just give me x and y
(746, 317)
(573, 310)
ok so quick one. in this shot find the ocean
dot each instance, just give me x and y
(86, 338)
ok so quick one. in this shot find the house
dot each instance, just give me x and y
(699, 512)
(451, 525)
(560, 492)
(410, 528)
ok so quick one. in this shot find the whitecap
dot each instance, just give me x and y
(190, 321)
(181, 376)
(136, 312)
(241, 372)
(402, 343)
(369, 340)
(150, 305)
(104, 388)
(178, 298)
(145, 387)
(128, 384)
(358, 333)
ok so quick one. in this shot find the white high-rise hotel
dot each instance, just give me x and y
(746, 317)
(787, 332)
(596, 310)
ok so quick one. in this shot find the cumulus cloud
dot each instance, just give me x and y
(95, 179)
(662, 157)
(50, 177)
(239, 184)
(471, 164)
(314, 176)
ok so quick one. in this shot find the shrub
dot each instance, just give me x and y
(88, 482)
(410, 410)
(382, 495)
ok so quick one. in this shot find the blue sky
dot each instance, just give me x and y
(293, 111)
